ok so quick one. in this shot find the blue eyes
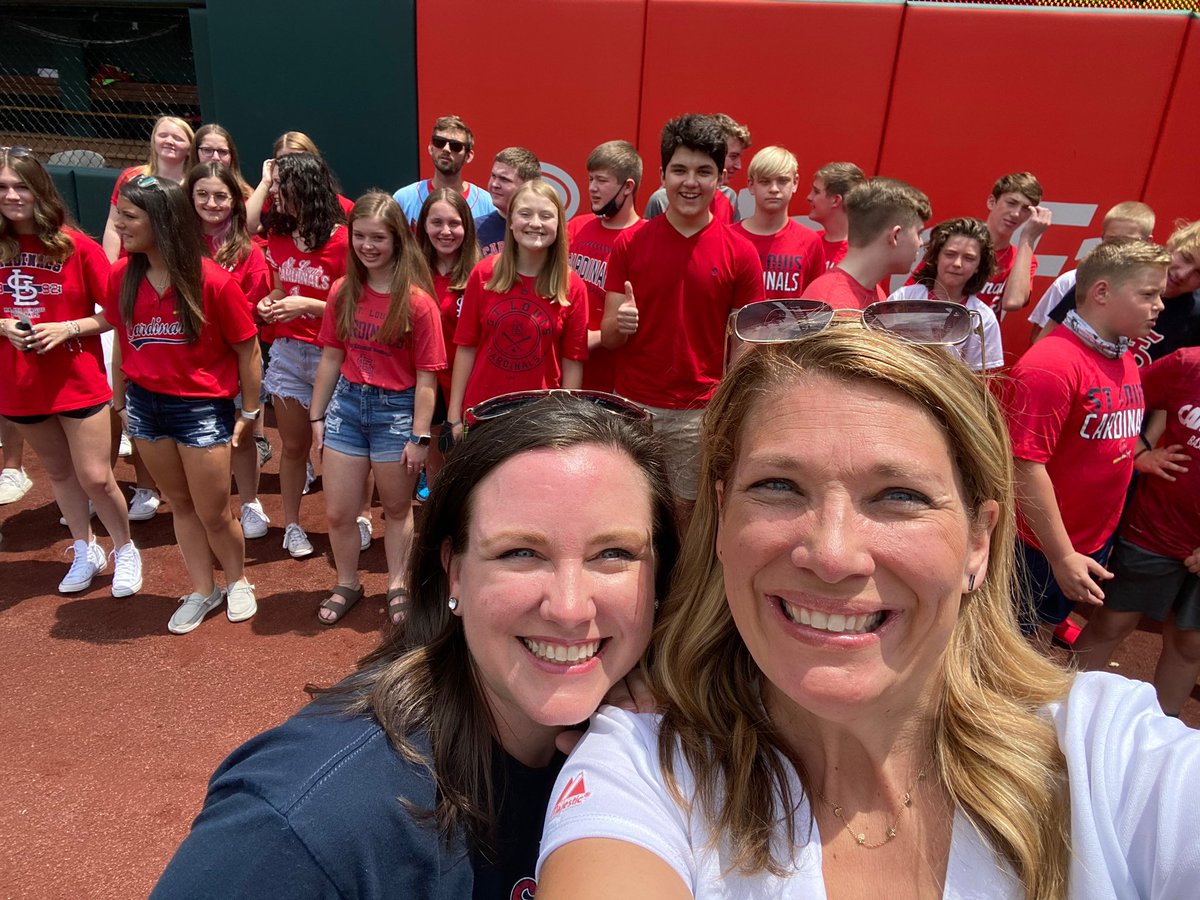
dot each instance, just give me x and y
(610, 553)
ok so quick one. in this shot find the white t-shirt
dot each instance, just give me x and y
(1131, 769)
(1053, 296)
(969, 350)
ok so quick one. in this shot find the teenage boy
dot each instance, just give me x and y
(451, 147)
(671, 286)
(1157, 555)
(1128, 221)
(827, 206)
(512, 167)
(885, 218)
(614, 173)
(1013, 203)
(1075, 411)
(725, 204)
(790, 254)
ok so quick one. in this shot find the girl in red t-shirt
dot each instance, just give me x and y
(221, 210)
(445, 232)
(213, 143)
(258, 204)
(171, 141)
(52, 381)
(523, 324)
(185, 340)
(307, 249)
(382, 340)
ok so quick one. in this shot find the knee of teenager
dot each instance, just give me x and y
(397, 512)
(214, 518)
(339, 517)
(1187, 646)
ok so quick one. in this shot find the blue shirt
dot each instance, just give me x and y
(490, 231)
(411, 198)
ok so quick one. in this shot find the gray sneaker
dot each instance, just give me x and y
(254, 521)
(192, 610)
(240, 602)
(296, 542)
(364, 533)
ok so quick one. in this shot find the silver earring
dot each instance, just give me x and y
(657, 604)
(453, 603)
(970, 584)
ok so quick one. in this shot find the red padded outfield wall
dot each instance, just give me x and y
(1099, 103)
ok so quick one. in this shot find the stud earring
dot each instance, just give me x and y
(970, 584)
(453, 603)
(657, 604)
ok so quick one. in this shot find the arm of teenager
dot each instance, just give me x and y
(424, 397)
(599, 868)
(257, 200)
(620, 320)
(575, 335)
(464, 362)
(118, 384)
(323, 384)
(250, 377)
(1162, 462)
(111, 241)
(1075, 573)
(572, 374)
(1020, 279)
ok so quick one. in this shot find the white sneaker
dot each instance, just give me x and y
(364, 532)
(89, 561)
(254, 520)
(296, 542)
(14, 484)
(310, 476)
(144, 505)
(193, 608)
(125, 448)
(240, 603)
(127, 571)
(62, 520)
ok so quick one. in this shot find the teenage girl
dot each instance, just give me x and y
(382, 344)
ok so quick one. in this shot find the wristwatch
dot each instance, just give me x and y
(251, 414)
(421, 440)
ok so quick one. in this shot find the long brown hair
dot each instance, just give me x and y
(468, 253)
(177, 238)
(552, 281)
(49, 212)
(234, 163)
(409, 271)
(422, 680)
(235, 239)
(926, 273)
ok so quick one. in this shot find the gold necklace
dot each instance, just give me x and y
(860, 837)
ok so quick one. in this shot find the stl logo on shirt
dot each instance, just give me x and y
(20, 285)
(572, 795)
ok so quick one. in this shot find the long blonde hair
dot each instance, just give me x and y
(553, 280)
(997, 757)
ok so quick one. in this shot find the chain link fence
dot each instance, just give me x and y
(82, 85)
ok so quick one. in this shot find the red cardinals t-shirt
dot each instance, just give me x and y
(841, 290)
(833, 251)
(39, 289)
(721, 208)
(155, 353)
(591, 246)
(685, 288)
(449, 303)
(791, 258)
(520, 337)
(993, 288)
(392, 367)
(306, 274)
(1164, 517)
(1079, 413)
(252, 274)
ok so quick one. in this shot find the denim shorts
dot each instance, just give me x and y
(292, 370)
(363, 420)
(192, 421)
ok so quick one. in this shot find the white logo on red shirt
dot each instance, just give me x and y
(156, 331)
(22, 288)
(572, 795)
(304, 272)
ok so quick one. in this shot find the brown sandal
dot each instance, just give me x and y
(339, 607)
(397, 604)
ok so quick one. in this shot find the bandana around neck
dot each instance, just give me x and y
(1087, 334)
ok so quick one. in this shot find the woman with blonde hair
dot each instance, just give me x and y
(523, 323)
(848, 706)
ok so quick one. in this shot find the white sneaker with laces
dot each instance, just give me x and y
(310, 475)
(14, 484)
(296, 542)
(192, 610)
(144, 505)
(89, 561)
(364, 532)
(125, 448)
(62, 520)
(240, 602)
(254, 520)
(127, 571)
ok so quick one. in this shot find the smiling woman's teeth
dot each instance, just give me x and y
(561, 653)
(834, 622)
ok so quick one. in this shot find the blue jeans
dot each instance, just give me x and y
(363, 420)
(192, 421)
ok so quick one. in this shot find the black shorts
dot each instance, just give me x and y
(1153, 585)
(85, 413)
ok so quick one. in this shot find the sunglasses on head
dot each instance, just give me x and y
(442, 142)
(932, 322)
(17, 152)
(501, 406)
(147, 181)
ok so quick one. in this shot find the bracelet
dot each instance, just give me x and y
(121, 410)
(250, 415)
(74, 328)
(1140, 452)
(453, 424)
(318, 419)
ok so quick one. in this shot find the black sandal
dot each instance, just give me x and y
(339, 607)
(397, 604)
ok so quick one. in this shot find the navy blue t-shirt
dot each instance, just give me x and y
(490, 231)
(316, 808)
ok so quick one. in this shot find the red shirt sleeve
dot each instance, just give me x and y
(616, 274)
(467, 331)
(1039, 403)
(95, 267)
(257, 280)
(230, 309)
(574, 339)
(1159, 379)
(127, 175)
(429, 349)
(748, 283)
(328, 336)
